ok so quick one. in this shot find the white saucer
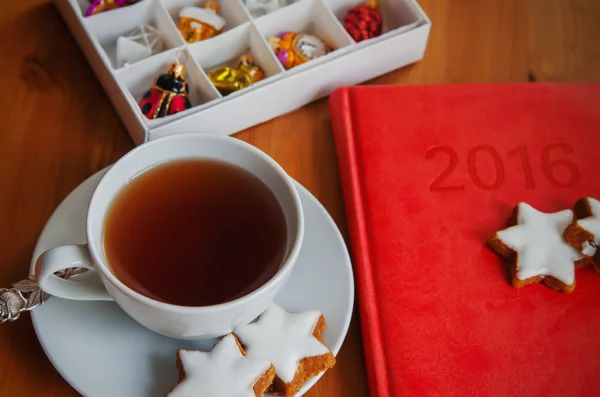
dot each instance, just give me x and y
(102, 352)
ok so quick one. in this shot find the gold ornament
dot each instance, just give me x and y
(227, 79)
(197, 24)
(98, 6)
(293, 49)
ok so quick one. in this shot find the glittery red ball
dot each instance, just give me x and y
(363, 22)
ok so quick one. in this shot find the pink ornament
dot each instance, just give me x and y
(283, 56)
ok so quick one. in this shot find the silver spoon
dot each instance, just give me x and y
(26, 295)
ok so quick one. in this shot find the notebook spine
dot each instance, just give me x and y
(349, 161)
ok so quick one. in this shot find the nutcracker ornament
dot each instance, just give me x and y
(293, 49)
(364, 21)
(197, 24)
(227, 79)
(168, 95)
(98, 6)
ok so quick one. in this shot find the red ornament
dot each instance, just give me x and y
(168, 95)
(364, 21)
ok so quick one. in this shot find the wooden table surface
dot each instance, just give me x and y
(59, 128)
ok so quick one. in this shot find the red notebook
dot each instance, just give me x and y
(429, 173)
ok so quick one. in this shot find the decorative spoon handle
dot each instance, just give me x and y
(26, 295)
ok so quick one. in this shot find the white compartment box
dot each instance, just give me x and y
(405, 33)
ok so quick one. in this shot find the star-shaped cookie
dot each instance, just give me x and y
(292, 343)
(224, 371)
(584, 233)
(536, 249)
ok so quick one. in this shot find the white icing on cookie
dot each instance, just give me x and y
(283, 339)
(591, 225)
(538, 240)
(222, 372)
(588, 249)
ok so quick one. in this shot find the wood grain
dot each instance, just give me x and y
(59, 128)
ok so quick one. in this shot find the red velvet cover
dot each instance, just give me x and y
(429, 173)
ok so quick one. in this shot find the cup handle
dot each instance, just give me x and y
(87, 286)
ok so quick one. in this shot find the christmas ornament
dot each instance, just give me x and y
(364, 21)
(258, 8)
(139, 44)
(228, 80)
(98, 6)
(294, 49)
(197, 24)
(168, 95)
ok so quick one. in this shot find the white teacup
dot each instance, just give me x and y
(100, 283)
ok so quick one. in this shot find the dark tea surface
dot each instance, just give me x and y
(195, 233)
